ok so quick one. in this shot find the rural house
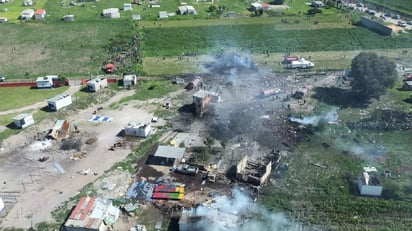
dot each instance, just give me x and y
(111, 13)
(129, 80)
(27, 14)
(68, 18)
(97, 83)
(127, 6)
(369, 183)
(317, 4)
(46, 81)
(137, 129)
(92, 214)
(59, 101)
(40, 14)
(185, 9)
(23, 120)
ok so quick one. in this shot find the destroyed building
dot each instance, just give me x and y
(201, 98)
(92, 214)
(196, 83)
(252, 171)
(369, 183)
(194, 219)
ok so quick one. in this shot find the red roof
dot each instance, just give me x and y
(110, 65)
(82, 208)
(40, 11)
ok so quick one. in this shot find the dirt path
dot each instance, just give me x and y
(39, 188)
(38, 105)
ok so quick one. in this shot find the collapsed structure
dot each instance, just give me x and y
(253, 172)
(23, 120)
(92, 214)
(201, 98)
(369, 183)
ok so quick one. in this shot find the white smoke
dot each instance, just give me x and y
(330, 117)
(238, 213)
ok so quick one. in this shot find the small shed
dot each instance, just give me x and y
(23, 120)
(186, 9)
(44, 82)
(40, 14)
(27, 3)
(129, 80)
(27, 14)
(163, 14)
(111, 13)
(68, 18)
(137, 129)
(317, 4)
(59, 101)
(136, 17)
(97, 83)
(127, 6)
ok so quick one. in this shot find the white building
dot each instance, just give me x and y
(129, 80)
(46, 81)
(368, 182)
(27, 14)
(23, 120)
(127, 6)
(59, 101)
(97, 83)
(186, 9)
(137, 129)
(92, 214)
(111, 13)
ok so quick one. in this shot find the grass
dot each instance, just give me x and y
(149, 89)
(11, 96)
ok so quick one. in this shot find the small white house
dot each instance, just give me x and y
(163, 14)
(27, 14)
(137, 129)
(186, 9)
(68, 18)
(111, 13)
(317, 4)
(97, 83)
(40, 14)
(129, 80)
(45, 82)
(368, 182)
(59, 101)
(127, 6)
(23, 120)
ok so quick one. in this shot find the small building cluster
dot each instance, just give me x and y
(92, 214)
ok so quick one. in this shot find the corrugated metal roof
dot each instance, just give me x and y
(170, 152)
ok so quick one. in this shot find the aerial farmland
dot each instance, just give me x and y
(205, 115)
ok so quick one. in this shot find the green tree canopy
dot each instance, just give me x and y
(372, 75)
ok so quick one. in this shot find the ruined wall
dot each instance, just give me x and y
(240, 168)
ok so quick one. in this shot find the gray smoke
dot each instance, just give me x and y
(330, 117)
(238, 213)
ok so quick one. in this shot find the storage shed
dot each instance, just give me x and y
(186, 9)
(59, 101)
(111, 13)
(129, 80)
(23, 120)
(97, 83)
(44, 82)
(137, 129)
(40, 14)
(92, 214)
(27, 14)
(68, 18)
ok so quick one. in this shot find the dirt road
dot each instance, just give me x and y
(38, 105)
(39, 187)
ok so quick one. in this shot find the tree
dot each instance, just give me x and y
(372, 75)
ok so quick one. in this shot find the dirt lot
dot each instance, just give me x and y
(32, 189)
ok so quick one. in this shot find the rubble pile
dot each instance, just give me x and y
(386, 120)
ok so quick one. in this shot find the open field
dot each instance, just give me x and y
(315, 184)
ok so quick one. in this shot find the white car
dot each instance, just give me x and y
(402, 24)
(409, 22)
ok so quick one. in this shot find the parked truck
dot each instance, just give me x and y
(301, 63)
